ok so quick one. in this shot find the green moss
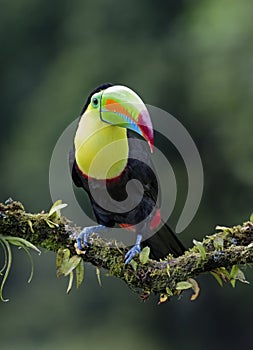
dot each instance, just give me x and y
(222, 249)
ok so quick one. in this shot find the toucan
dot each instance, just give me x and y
(111, 161)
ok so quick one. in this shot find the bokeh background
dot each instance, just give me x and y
(192, 58)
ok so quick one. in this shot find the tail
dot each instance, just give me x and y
(164, 242)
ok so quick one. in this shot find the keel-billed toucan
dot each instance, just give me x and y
(112, 145)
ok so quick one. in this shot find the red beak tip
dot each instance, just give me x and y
(151, 145)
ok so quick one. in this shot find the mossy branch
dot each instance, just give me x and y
(219, 253)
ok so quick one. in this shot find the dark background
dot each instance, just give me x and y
(191, 58)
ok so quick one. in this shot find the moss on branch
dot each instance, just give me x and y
(218, 253)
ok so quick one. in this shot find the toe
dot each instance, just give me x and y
(132, 253)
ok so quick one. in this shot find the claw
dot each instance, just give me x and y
(136, 249)
(131, 253)
(83, 237)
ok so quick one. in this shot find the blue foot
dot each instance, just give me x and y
(136, 249)
(131, 253)
(83, 237)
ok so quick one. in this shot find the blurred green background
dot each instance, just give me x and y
(192, 58)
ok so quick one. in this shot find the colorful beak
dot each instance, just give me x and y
(122, 107)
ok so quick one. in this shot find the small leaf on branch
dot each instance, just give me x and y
(98, 276)
(64, 264)
(224, 273)
(241, 277)
(169, 292)
(70, 265)
(195, 288)
(59, 259)
(224, 228)
(6, 247)
(51, 224)
(183, 285)
(233, 275)
(71, 278)
(55, 210)
(62, 258)
(221, 275)
(79, 273)
(30, 225)
(201, 248)
(144, 255)
(20, 242)
(217, 277)
(134, 264)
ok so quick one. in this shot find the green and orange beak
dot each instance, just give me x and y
(122, 107)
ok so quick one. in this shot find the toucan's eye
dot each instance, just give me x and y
(95, 102)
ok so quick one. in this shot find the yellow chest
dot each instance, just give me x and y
(101, 149)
